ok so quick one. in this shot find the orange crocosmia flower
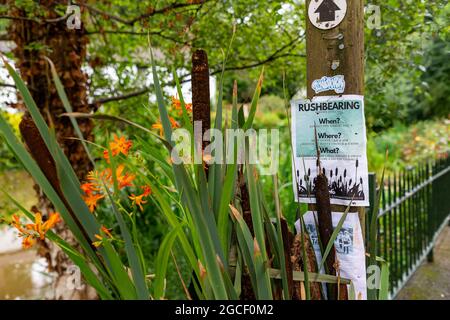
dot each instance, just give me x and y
(99, 238)
(99, 242)
(188, 107)
(158, 125)
(89, 187)
(106, 155)
(138, 200)
(174, 123)
(53, 219)
(176, 104)
(16, 223)
(107, 231)
(92, 175)
(147, 190)
(120, 145)
(36, 226)
(91, 201)
(31, 231)
(119, 170)
(125, 179)
(42, 228)
(28, 242)
(96, 177)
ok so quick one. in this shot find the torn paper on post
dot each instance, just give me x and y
(349, 245)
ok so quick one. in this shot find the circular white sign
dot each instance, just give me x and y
(327, 14)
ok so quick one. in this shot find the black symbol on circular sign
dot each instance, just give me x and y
(327, 11)
(327, 14)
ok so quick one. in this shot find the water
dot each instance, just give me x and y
(9, 241)
(22, 273)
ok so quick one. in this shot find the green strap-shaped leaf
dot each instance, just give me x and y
(68, 107)
(161, 262)
(254, 105)
(30, 165)
(333, 237)
(133, 258)
(89, 222)
(383, 294)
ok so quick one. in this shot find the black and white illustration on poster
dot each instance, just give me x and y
(344, 241)
(350, 252)
(339, 123)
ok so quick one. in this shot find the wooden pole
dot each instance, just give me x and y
(337, 51)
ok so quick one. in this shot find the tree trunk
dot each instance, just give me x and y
(67, 49)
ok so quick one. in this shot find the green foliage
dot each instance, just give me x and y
(407, 63)
(434, 97)
(19, 184)
(113, 276)
(406, 59)
(7, 160)
(409, 145)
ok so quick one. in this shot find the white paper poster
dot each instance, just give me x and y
(341, 134)
(349, 244)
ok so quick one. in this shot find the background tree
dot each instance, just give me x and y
(38, 32)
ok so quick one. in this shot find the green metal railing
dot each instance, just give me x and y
(415, 206)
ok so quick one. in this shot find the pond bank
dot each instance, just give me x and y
(23, 276)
